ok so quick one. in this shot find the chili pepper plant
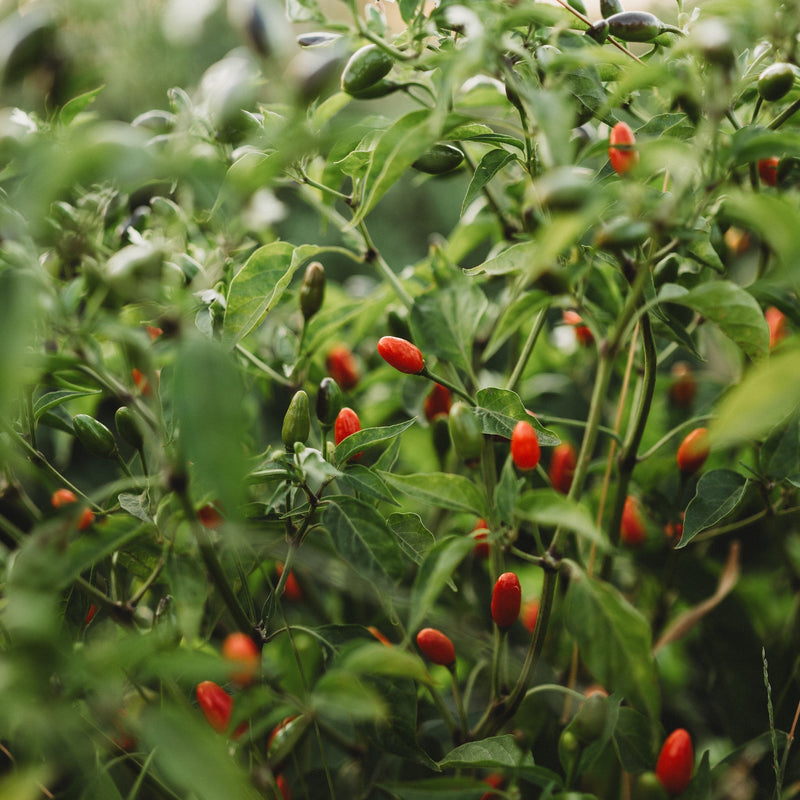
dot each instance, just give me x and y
(225, 575)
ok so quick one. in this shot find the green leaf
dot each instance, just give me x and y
(732, 308)
(73, 107)
(369, 438)
(341, 696)
(762, 400)
(633, 740)
(775, 219)
(436, 789)
(700, 786)
(499, 410)
(399, 146)
(613, 640)
(52, 399)
(259, 285)
(414, 538)
(495, 752)
(445, 322)
(435, 572)
(553, 509)
(194, 757)
(439, 489)
(207, 394)
(718, 493)
(489, 166)
(534, 257)
(137, 505)
(519, 314)
(378, 659)
(780, 455)
(363, 540)
(752, 143)
(367, 482)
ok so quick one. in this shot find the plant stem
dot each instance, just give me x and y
(426, 373)
(527, 349)
(462, 713)
(374, 256)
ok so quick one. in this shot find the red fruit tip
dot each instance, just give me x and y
(401, 354)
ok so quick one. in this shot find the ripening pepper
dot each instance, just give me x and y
(693, 451)
(438, 401)
(525, 450)
(401, 354)
(506, 600)
(632, 530)
(436, 647)
(342, 366)
(676, 762)
(621, 152)
(241, 651)
(562, 467)
(216, 704)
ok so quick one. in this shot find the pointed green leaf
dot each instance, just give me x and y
(718, 493)
(613, 640)
(489, 166)
(553, 509)
(414, 538)
(493, 753)
(369, 438)
(439, 489)
(499, 410)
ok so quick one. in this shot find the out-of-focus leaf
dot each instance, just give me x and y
(489, 166)
(553, 509)
(414, 538)
(435, 572)
(765, 397)
(495, 752)
(633, 740)
(378, 659)
(613, 640)
(729, 306)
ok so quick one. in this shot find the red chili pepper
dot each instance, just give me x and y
(436, 647)
(243, 654)
(620, 148)
(562, 467)
(209, 517)
(342, 366)
(216, 704)
(676, 762)
(401, 354)
(693, 451)
(506, 600)
(62, 497)
(525, 450)
(480, 533)
(85, 519)
(530, 613)
(438, 402)
(632, 528)
(768, 171)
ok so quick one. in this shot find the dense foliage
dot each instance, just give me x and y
(399, 401)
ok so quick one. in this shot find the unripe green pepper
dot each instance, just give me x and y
(128, 427)
(312, 291)
(610, 7)
(569, 749)
(439, 159)
(365, 68)
(590, 721)
(440, 434)
(94, 436)
(638, 26)
(598, 31)
(296, 422)
(381, 88)
(329, 401)
(775, 81)
(465, 433)
(648, 787)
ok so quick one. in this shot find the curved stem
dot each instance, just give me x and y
(374, 256)
(426, 373)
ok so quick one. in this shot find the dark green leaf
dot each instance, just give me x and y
(445, 321)
(729, 306)
(436, 571)
(414, 538)
(780, 455)
(53, 399)
(700, 787)
(439, 489)
(613, 639)
(499, 410)
(369, 438)
(492, 753)
(633, 739)
(363, 540)
(367, 482)
(378, 659)
(718, 493)
(73, 107)
(489, 166)
(553, 509)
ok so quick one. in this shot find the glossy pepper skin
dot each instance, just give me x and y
(525, 450)
(436, 647)
(329, 401)
(365, 68)
(216, 704)
(621, 152)
(296, 421)
(676, 762)
(693, 451)
(638, 26)
(312, 290)
(347, 423)
(775, 81)
(94, 436)
(466, 433)
(401, 354)
(506, 600)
